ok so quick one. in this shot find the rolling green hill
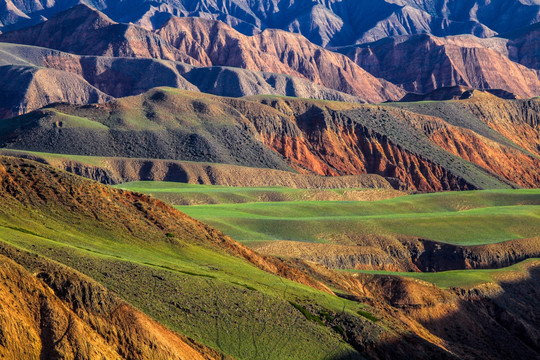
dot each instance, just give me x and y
(469, 218)
(462, 278)
(183, 274)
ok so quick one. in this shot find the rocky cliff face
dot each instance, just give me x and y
(457, 318)
(423, 63)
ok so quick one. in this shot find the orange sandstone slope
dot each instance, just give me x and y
(215, 43)
(518, 121)
(62, 314)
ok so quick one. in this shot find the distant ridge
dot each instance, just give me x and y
(332, 22)
(85, 31)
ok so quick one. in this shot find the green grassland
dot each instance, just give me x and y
(215, 298)
(461, 278)
(466, 218)
(194, 194)
(462, 218)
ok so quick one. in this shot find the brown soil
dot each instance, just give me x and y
(402, 253)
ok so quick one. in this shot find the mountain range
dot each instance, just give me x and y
(107, 59)
(328, 22)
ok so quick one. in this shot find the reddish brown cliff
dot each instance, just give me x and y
(422, 63)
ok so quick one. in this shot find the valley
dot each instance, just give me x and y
(270, 179)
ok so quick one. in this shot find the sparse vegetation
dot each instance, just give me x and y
(368, 315)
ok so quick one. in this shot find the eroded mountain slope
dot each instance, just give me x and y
(90, 79)
(271, 51)
(422, 152)
(423, 63)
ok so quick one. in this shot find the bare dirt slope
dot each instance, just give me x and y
(423, 63)
(57, 313)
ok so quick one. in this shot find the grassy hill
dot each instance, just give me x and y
(87, 248)
(463, 278)
(183, 274)
(471, 218)
(412, 149)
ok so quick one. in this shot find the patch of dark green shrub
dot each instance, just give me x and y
(307, 314)
(368, 315)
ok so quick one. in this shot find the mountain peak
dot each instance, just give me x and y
(82, 15)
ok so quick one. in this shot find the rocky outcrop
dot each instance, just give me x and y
(404, 254)
(375, 140)
(423, 63)
(499, 313)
